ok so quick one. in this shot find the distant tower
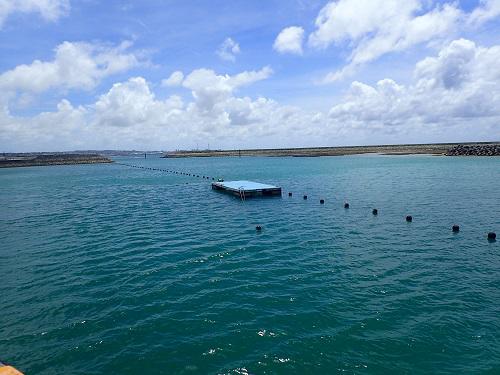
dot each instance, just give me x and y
(144, 155)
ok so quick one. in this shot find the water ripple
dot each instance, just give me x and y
(126, 270)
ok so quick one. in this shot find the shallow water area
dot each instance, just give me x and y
(112, 269)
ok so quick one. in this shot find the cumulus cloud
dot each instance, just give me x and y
(130, 114)
(228, 50)
(454, 96)
(132, 103)
(209, 88)
(175, 79)
(376, 27)
(50, 10)
(75, 66)
(289, 40)
(460, 84)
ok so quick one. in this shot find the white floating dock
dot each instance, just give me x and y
(246, 189)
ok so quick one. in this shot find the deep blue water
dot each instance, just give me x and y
(110, 269)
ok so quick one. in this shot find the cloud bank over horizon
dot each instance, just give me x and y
(120, 95)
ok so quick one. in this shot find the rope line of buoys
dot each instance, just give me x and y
(409, 218)
(455, 228)
(169, 171)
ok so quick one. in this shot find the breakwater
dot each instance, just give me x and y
(31, 160)
(475, 150)
(408, 149)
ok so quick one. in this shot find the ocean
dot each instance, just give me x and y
(106, 269)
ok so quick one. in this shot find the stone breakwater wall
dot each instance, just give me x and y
(480, 149)
(475, 150)
(51, 159)
(433, 149)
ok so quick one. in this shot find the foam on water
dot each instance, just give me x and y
(112, 269)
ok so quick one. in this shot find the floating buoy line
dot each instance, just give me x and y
(182, 173)
(455, 228)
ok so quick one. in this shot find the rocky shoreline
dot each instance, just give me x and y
(34, 160)
(450, 149)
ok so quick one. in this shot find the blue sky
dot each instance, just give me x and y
(92, 74)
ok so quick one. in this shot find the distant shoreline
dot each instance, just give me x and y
(446, 149)
(38, 160)
(14, 160)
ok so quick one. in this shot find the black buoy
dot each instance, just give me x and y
(289, 194)
(492, 236)
(375, 211)
(322, 201)
(455, 228)
(305, 196)
(346, 205)
(409, 218)
(258, 228)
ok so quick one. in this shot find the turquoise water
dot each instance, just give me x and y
(110, 269)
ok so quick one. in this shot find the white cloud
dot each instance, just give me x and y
(228, 50)
(208, 88)
(50, 10)
(175, 79)
(460, 84)
(487, 10)
(376, 27)
(75, 66)
(289, 40)
(132, 103)
(130, 115)
(454, 97)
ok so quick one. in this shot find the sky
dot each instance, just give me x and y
(167, 75)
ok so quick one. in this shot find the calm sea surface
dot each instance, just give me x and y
(110, 269)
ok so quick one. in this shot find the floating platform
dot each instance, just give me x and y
(246, 189)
